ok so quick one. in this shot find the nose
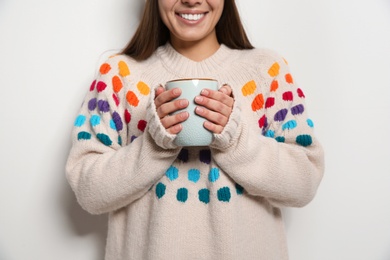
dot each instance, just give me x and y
(192, 2)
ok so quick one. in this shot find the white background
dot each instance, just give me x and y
(339, 53)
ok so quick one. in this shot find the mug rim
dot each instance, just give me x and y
(185, 79)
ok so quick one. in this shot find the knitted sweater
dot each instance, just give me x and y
(217, 202)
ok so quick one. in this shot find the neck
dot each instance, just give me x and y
(195, 50)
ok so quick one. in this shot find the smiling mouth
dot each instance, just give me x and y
(192, 17)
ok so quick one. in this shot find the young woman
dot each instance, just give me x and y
(216, 202)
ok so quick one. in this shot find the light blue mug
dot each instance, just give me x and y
(193, 132)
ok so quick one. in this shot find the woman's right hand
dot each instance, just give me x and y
(165, 106)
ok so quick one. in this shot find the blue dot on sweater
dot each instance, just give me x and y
(105, 139)
(204, 196)
(172, 173)
(112, 125)
(84, 136)
(193, 175)
(270, 133)
(95, 120)
(310, 123)
(182, 195)
(289, 125)
(224, 194)
(214, 174)
(160, 190)
(80, 120)
(304, 140)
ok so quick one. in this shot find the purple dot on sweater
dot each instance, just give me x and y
(103, 106)
(92, 104)
(118, 121)
(205, 156)
(298, 109)
(133, 137)
(183, 155)
(281, 115)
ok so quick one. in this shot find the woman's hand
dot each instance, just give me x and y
(165, 105)
(216, 107)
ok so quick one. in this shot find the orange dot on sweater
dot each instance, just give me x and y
(105, 68)
(123, 69)
(274, 85)
(132, 98)
(289, 78)
(249, 88)
(116, 84)
(143, 88)
(258, 102)
(274, 70)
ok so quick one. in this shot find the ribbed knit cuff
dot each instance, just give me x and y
(156, 129)
(224, 139)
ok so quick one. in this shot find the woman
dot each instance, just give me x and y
(217, 202)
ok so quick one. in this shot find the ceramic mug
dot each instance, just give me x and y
(193, 132)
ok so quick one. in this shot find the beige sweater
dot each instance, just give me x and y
(217, 202)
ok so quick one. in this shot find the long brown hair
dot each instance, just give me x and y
(152, 32)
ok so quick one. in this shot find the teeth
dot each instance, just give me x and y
(192, 17)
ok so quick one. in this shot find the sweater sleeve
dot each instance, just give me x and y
(277, 157)
(105, 169)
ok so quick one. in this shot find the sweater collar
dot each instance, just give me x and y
(183, 67)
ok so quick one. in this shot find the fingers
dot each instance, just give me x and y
(167, 104)
(216, 107)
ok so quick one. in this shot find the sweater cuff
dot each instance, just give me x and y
(224, 140)
(156, 129)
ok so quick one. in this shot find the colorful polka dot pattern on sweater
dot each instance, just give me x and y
(204, 195)
(105, 108)
(280, 112)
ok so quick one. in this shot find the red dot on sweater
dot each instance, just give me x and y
(270, 102)
(300, 93)
(127, 116)
(116, 99)
(263, 121)
(288, 96)
(92, 87)
(101, 86)
(142, 125)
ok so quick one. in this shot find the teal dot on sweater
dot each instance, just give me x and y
(105, 139)
(304, 140)
(193, 175)
(95, 120)
(280, 139)
(239, 189)
(214, 174)
(84, 136)
(160, 190)
(172, 173)
(224, 194)
(80, 120)
(204, 196)
(182, 195)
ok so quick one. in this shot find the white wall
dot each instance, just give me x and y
(339, 52)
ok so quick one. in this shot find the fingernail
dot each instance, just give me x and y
(198, 99)
(205, 92)
(199, 109)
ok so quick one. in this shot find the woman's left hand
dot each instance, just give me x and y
(216, 107)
